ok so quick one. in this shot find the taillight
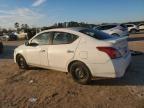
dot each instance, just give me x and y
(112, 52)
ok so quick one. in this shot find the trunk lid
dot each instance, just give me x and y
(120, 44)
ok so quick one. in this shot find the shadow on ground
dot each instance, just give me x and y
(8, 52)
(133, 77)
(141, 32)
(135, 39)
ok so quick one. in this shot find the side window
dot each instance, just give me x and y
(110, 26)
(124, 26)
(63, 38)
(99, 28)
(42, 39)
(104, 27)
(129, 25)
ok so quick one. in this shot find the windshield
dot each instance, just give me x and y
(96, 34)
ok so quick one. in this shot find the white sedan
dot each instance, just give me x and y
(83, 52)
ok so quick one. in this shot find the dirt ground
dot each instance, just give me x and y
(40, 88)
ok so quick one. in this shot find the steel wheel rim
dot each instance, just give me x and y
(80, 73)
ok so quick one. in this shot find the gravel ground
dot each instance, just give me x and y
(40, 88)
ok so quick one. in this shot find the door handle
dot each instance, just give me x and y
(42, 50)
(70, 51)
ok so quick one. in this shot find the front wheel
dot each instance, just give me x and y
(80, 73)
(21, 62)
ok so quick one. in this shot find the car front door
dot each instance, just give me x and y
(37, 51)
(62, 49)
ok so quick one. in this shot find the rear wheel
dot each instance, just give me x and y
(80, 73)
(133, 31)
(21, 62)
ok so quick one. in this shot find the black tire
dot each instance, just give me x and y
(133, 31)
(21, 62)
(80, 73)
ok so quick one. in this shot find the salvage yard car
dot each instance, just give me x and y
(83, 52)
(118, 30)
(132, 28)
(141, 26)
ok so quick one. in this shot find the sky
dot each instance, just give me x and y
(37, 13)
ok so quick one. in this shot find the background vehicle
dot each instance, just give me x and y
(5, 37)
(1, 46)
(132, 28)
(141, 26)
(118, 30)
(13, 36)
(82, 52)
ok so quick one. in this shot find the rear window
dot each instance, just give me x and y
(129, 25)
(96, 34)
(106, 27)
(123, 25)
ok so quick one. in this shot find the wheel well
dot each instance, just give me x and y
(74, 62)
(133, 29)
(17, 56)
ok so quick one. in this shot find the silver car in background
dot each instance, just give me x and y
(119, 30)
(132, 28)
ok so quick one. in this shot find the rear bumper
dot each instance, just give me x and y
(121, 65)
(113, 68)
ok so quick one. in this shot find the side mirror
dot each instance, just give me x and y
(33, 44)
(30, 44)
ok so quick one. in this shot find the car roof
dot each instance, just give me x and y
(74, 30)
(70, 28)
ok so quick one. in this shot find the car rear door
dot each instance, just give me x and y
(62, 49)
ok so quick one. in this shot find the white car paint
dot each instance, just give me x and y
(141, 26)
(132, 27)
(84, 49)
